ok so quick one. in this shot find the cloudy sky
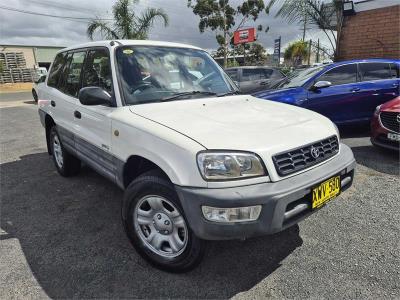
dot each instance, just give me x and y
(26, 29)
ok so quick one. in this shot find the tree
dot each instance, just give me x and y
(219, 15)
(256, 54)
(327, 16)
(296, 52)
(127, 25)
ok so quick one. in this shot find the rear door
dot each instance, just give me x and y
(93, 124)
(341, 101)
(62, 104)
(380, 82)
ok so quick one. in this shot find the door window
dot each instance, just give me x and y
(72, 73)
(255, 74)
(232, 74)
(56, 69)
(97, 70)
(374, 71)
(341, 75)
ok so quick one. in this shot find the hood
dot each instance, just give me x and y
(239, 123)
(392, 105)
(289, 95)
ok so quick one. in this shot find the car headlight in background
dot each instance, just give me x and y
(215, 165)
(377, 109)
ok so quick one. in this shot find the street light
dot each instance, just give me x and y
(348, 8)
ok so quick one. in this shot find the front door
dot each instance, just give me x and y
(92, 123)
(340, 102)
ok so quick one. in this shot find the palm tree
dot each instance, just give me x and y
(325, 15)
(127, 25)
(296, 52)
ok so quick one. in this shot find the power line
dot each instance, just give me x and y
(48, 15)
(46, 3)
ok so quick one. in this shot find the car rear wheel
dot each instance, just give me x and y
(156, 225)
(66, 164)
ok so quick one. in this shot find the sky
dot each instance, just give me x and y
(25, 29)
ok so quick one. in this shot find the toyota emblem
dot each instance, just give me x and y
(398, 118)
(314, 152)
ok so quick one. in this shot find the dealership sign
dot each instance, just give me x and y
(244, 36)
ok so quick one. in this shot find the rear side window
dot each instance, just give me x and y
(256, 74)
(56, 70)
(341, 75)
(374, 71)
(394, 71)
(97, 70)
(72, 73)
(232, 74)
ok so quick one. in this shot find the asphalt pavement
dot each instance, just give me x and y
(63, 238)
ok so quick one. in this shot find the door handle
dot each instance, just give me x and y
(77, 114)
(355, 90)
(53, 103)
(395, 84)
(264, 83)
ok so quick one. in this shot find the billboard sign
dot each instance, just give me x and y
(244, 36)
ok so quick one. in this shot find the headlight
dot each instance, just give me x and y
(229, 165)
(337, 131)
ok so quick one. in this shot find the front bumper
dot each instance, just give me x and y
(284, 203)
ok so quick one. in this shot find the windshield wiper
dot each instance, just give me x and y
(229, 93)
(178, 95)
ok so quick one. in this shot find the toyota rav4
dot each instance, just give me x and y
(196, 160)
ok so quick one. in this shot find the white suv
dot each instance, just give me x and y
(197, 161)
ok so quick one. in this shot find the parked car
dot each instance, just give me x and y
(37, 87)
(253, 79)
(187, 150)
(385, 125)
(345, 92)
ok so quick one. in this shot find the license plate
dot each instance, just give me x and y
(393, 136)
(325, 191)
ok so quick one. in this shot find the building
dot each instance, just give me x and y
(35, 56)
(21, 63)
(372, 31)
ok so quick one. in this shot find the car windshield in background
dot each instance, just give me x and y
(299, 78)
(156, 74)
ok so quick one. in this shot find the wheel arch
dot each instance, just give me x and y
(49, 123)
(134, 166)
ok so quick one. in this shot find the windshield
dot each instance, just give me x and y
(298, 78)
(153, 74)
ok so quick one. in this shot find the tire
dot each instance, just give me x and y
(66, 164)
(160, 234)
(35, 96)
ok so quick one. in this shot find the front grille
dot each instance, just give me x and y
(390, 121)
(301, 158)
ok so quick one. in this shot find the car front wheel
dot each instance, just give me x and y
(156, 225)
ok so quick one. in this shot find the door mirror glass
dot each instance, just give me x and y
(93, 95)
(321, 84)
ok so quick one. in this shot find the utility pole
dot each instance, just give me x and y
(304, 27)
(317, 58)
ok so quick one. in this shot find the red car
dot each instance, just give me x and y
(385, 125)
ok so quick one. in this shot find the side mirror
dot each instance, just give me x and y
(321, 84)
(93, 95)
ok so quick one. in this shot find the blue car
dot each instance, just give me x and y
(345, 92)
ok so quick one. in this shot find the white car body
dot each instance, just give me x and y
(171, 135)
